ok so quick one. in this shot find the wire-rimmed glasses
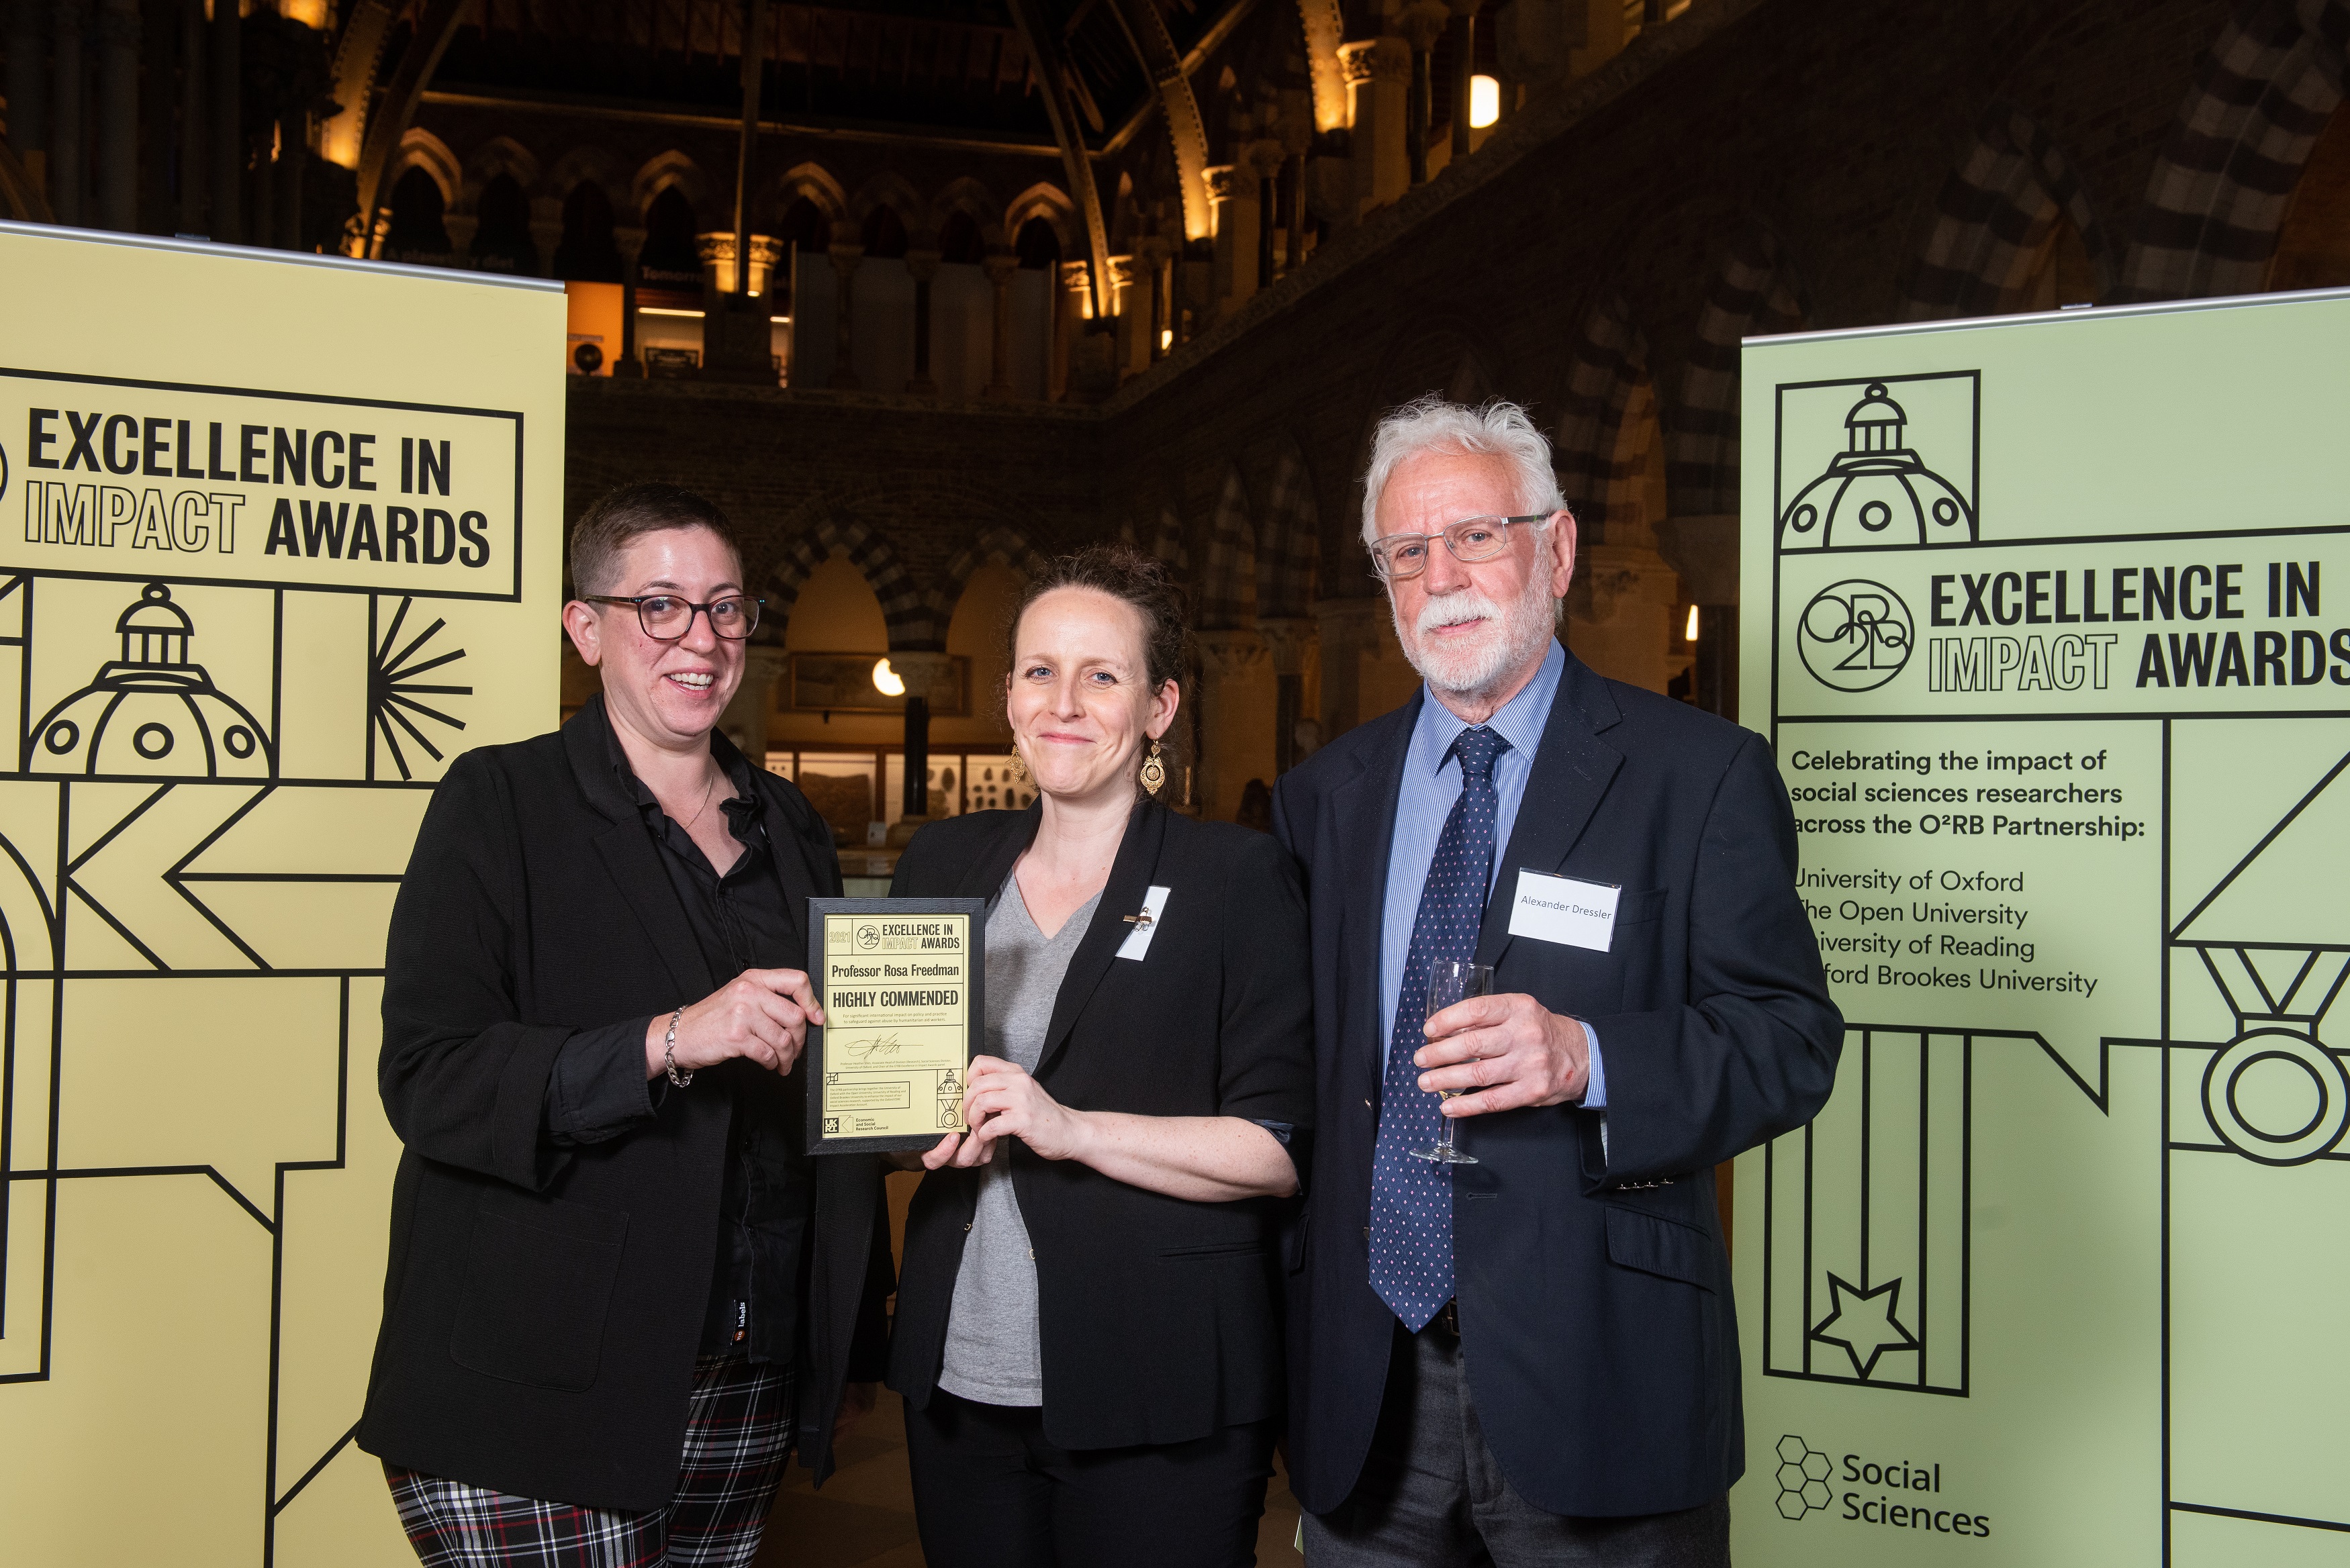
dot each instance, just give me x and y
(666, 617)
(1397, 557)
(1450, 981)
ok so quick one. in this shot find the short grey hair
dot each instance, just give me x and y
(1434, 424)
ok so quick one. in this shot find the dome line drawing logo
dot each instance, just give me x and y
(1888, 485)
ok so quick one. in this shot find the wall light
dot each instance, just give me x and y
(1484, 101)
(780, 320)
(1166, 338)
(1690, 635)
(665, 310)
(886, 680)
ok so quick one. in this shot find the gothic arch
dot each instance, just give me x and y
(2223, 179)
(821, 530)
(1167, 542)
(1289, 548)
(1324, 29)
(1608, 370)
(995, 545)
(1046, 200)
(1993, 218)
(591, 163)
(895, 191)
(966, 195)
(1228, 585)
(499, 155)
(420, 149)
(816, 183)
(374, 142)
(665, 170)
(1754, 291)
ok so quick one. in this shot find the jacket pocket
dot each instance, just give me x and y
(1637, 906)
(539, 1274)
(1656, 1246)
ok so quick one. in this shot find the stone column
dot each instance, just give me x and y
(292, 154)
(462, 227)
(68, 174)
(744, 722)
(1464, 66)
(630, 243)
(1421, 24)
(1132, 311)
(921, 671)
(546, 232)
(118, 152)
(1290, 641)
(1364, 672)
(999, 266)
(1703, 553)
(1377, 73)
(1235, 718)
(227, 135)
(1266, 158)
(29, 85)
(922, 266)
(715, 251)
(195, 163)
(1068, 323)
(766, 254)
(847, 251)
(1156, 256)
(1235, 214)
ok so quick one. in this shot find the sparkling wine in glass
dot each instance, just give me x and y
(1450, 981)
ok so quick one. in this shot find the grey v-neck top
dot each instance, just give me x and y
(992, 1344)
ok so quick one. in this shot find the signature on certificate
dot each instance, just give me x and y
(865, 1050)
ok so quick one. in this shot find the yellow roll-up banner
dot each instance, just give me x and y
(2048, 618)
(279, 536)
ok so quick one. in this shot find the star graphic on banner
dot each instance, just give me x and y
(1865, 1323)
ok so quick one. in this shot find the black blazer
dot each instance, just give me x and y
(1158, 1318)
(1594, 1288)
(543, 1304)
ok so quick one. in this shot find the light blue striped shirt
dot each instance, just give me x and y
(1431, 783)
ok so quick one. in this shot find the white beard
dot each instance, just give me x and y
(1473, 667)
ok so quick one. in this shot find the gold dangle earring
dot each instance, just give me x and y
(1017, 771)
(1154, 772)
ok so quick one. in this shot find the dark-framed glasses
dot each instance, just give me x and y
(668, 616)
(1401, 556)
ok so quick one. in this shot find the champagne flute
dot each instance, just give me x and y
(1450, 981)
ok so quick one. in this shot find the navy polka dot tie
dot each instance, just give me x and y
(1411, 1198)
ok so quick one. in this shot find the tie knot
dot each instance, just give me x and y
(1477, 749)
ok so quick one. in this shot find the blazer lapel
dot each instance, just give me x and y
(1363, 812)
(1572, 772)
(984, 877)
(1129, 880)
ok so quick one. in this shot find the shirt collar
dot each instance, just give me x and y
(743, 808)
(1520, 722)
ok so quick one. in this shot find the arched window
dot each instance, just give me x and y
(885, 234)
(1038, 245)
(416, 233)
(958, 239)
(503, 242)
(588, 253)
(804, 225)
(669, 258)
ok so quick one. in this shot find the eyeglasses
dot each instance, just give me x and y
(1400, 557)
(666, 617)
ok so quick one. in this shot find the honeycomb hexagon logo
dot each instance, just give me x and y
(1804, 1474)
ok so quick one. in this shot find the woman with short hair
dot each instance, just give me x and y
(1086, 1335)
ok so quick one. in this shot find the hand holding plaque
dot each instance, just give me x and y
(898, 981)
(762, 1014)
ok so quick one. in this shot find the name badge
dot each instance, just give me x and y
(1143, 927)
(1564, 910)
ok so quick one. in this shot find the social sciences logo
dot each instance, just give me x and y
(1859, 1489)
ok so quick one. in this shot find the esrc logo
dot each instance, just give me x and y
(1897, 1494)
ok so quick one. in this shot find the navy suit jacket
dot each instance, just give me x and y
(1597, 1329)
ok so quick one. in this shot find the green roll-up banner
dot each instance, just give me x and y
(2048, 619)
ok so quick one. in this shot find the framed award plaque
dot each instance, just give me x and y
(900, 982)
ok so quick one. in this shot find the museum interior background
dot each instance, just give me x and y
(924, 290)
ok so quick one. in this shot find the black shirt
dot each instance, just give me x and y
(743, 919)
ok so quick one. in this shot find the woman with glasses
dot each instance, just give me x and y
(1087, 1336)
(618, 1286)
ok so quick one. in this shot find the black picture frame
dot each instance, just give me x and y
(974, 1012)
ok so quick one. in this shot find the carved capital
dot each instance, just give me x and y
(1230, 655)
(1423, 23)
(1264, 157)
(845, 258)
(1288, 638)
(1384, 59)
(999, 268)
(922, 266)
(1221, 181)
(630, 241)
(1075, 279)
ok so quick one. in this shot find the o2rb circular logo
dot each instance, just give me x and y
(1855, 635)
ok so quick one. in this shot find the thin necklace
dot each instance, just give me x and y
(707, 791)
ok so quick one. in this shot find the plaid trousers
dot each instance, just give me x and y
(738, 1434)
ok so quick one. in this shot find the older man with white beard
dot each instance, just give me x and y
(1520, 1349)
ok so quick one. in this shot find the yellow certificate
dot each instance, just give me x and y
(900, 980)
